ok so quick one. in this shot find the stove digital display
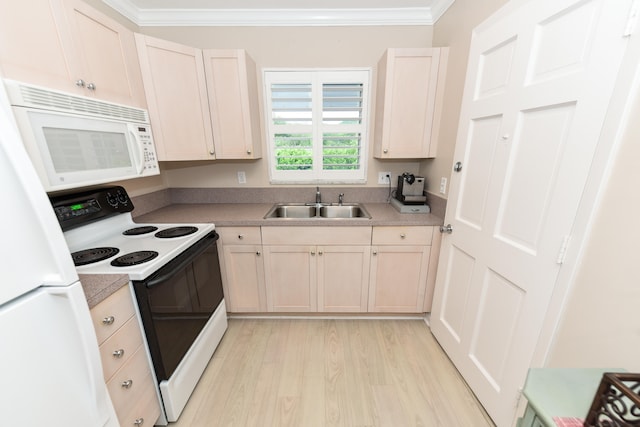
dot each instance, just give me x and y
(77, 209)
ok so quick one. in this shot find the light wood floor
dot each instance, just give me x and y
(318, 372)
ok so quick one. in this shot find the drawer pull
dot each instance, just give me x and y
(138, 422)
(240, 236)
(127, 384)
(402, 235)
(375, 252)
(118, 353)
(108, 320)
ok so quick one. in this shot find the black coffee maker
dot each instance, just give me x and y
(410, 190)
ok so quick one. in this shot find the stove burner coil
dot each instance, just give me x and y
(89, 256)
(139, 230)
(134, 258)
(176, 232)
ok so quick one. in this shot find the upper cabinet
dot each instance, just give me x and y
(410, 90)
(203, 105)
(69, 46)
(232, 88)
(174, 83)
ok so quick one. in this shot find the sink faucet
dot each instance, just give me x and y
(318, 196)
(340, 199)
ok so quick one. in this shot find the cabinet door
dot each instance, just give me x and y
(174, 84)
(109, 56)
(36, 45)
(290, 278)
(398, 278)
(244, 272)
(410, 91)
(233, 101)
(343, 278)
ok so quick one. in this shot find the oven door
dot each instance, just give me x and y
(177, 301)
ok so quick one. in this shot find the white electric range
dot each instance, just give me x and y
(175, 278)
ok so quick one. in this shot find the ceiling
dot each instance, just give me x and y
(280, 12)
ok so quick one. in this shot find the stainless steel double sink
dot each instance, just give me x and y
(319, 211)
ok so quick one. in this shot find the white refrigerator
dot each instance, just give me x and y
(50, 369)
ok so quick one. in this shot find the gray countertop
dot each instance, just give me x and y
(251, 214)
(98, 287)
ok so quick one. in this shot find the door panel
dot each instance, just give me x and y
(532, 171)
(483, 136)
(490, 351)
(456, 291)
(538, 85)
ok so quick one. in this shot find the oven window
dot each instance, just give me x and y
(178, 308)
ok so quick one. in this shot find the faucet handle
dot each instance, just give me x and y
(340, 198)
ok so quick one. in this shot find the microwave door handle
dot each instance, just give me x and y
(140, 157)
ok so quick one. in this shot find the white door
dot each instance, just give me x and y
(538, 83)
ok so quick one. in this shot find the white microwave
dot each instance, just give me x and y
(75, 141)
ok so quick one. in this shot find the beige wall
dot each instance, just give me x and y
(289, 47)
(453, 29)
(600, 326)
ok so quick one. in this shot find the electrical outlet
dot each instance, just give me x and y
(443, 185)
(384, 178)
(242, 178)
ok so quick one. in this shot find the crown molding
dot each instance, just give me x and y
(280, 17)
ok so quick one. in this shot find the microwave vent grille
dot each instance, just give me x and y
(47, 99)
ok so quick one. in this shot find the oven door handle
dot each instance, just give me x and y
(181, 261)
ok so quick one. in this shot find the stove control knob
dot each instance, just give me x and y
(112, 199)
(122, 197)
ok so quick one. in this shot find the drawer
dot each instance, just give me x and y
(410, 235)
(112, 313)
(239, 235)
(119, 347)
(137, 371)
(146, 410)
(316, 235)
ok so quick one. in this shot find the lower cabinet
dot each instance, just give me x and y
(343, 278)
(241, 264)
(126, 367)
(316, 269)
(292, 269)
(403, 265)
(398, 278)
(317, 278)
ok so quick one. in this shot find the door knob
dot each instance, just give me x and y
(457, 167)
(446, 229)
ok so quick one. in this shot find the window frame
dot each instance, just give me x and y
(317, 77)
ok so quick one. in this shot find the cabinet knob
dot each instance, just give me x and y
(402, 235)
(375, 252)
(108, 320)
(258, 253)
(138, 422)
(385, 151)
(319, 252)
(80, 83)
(240, 236)
(127, 384)
(118, 353)
(313, 252)
(249, 152)
(211, 152)
(91, 86)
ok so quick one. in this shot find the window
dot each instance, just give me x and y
(317, 123)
